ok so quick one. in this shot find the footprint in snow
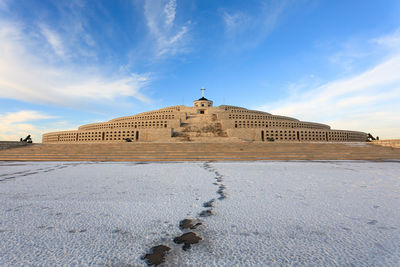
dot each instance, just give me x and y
(187, 240)
(206, 213)
(209, 204)
(156, 255)
(189, 224)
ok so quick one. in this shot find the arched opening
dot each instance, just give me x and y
(262, 136)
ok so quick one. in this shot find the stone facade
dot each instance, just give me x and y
(204, 122)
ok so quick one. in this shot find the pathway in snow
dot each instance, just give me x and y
(188, 226)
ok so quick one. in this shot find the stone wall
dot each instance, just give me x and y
(147, 135)
(245, 134)
(296, 135)
(108, 136)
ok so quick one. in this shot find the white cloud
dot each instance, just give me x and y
(235, 22)
(170, 11)
(384, 124)
(54, 40)
(251, 28)
(89, 40)
(26, 75)
(391, 40)
(349, 56)
(170, 38)
(68, 36)
(15, 125)
(367, 101)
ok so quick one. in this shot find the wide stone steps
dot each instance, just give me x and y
(200, 151)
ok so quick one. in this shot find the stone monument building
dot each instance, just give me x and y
(204, 123)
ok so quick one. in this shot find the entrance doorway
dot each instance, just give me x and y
(201, 111)
(262, 136)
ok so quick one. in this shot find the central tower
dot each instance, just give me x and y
(202, 104)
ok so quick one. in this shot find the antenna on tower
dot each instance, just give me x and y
(202, 91)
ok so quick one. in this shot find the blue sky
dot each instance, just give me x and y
(68, 63)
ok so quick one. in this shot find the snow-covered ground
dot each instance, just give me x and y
(273, 213)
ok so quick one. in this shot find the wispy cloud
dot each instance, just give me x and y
(349, 56)
(15, 125)
(26, 74)
(170, 37)
(170, 11)
(235, 21)
(252, 27)
(54, 41)
(357, 52)
(391, 41)
(367, 101)
(68, 36)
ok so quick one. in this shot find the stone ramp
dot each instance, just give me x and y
(200, 151)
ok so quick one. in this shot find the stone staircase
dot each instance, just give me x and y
(198, 127)
(194, 151)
